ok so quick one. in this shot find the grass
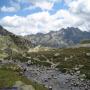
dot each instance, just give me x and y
(8, 78)
(5, 40)
(85, 42)
(68, 58)
(44, 63)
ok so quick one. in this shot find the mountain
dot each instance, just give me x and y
(61, 38)
(4, 32)
(17, 40)
(11, 42)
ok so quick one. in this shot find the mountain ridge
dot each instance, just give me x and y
(4, 32)
(16, 42)
(62, 38)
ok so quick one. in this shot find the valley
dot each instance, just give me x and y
(24, 64)
(44, 44)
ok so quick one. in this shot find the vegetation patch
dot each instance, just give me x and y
(8, 78)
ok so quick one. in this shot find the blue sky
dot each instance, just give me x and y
(24, 11)
(32, 16)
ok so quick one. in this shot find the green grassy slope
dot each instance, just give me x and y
(8, 77)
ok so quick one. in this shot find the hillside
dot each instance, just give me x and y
(70, 59)
(62, 38)
(10, 43)
(41, 67)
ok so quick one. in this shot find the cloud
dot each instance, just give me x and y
(13, 7)
(39, 22)
(30, 8)
(81, 8)
(8, 9)
(77, 15)
(78, 6)
(29, 24)
(43, 4)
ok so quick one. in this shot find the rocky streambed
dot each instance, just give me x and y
(53, 78)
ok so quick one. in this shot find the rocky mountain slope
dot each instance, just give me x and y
(12, 43)
(13, 39)
(61, 38)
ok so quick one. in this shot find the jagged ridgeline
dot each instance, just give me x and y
(61, 38)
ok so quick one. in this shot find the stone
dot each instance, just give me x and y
(87, 54)
(27, 87)
(22, 86)
(56, 54)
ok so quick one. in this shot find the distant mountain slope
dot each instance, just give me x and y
(61, 38)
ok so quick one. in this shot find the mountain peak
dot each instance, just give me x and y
(71, 29)
(62, 38)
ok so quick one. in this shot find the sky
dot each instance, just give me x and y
(24, 17)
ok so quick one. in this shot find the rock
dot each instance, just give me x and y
(18, 84)
(50, 88)
(82, 76)
(66, 59)
(56, 54)
(39, 48)
(21, 86)
(29, 62)
(76, 68)
(78, 72)
(87, 54)
(27, 87)
(71, 56)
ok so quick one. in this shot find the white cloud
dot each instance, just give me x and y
(39, 22)
(43, 4)
(81, 8)
(8, 9)
(13, 7)
(30, 24)
(30, 8)
(76, 16)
